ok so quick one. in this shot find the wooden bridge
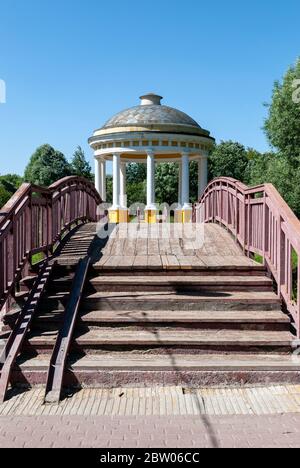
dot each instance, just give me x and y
(81, 308)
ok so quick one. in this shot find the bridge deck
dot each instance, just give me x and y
(150, 247)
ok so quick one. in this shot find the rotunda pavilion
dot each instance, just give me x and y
(150, 133)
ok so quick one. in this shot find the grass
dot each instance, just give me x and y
(258, 259)
(37, 258)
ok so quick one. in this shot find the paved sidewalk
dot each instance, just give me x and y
(150, 432)
(159, 417)
(159, 401)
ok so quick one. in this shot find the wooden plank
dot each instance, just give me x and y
(153, 247)
(113, 262)
(63, 341)
(126, 262)
(154, 262)
(140, 262)
(129, 248)
(173, 263)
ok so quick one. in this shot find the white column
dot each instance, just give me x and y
(180, 183)
(123, 201)
(150, 181)
(185, 192)
(103, 180)
(98, 172)
(116, 181)
(202, 175)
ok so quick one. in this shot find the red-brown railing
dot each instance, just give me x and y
(263, 224)
(35, 219)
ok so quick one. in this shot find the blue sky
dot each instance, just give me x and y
(69, 65)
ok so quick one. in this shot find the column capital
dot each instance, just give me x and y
(150, 152)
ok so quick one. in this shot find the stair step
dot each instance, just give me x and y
(185, 337)
(205, 300)
(163, 337)
(131, 361)
(110, 370)
(132, 283)
(195, 269)
(177, 316)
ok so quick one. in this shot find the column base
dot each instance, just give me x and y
(150, 216)
(114, 215)
(184, 215)
(124, 215)
(118, 215)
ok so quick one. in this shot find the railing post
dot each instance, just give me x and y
(264, 228)
(249, 223)
(49, 223)
(244, 222)
(281, 257)
(228, 209)
(236, 215)
(298, 300)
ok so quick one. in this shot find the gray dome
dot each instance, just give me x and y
(150, 112)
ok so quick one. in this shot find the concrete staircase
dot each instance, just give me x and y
(217, 326)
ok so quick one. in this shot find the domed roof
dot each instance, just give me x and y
(150, 114)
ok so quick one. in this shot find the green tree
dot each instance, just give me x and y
(228, 159)
(12, 180)
(136, 193)
(46, 166)
(109, 189)
(193, 181)
(80, 166)
(256, 167)
(9, 184)
(166, 183)
(4, 196)
(282, 127)
(136, 173)
(276, 169)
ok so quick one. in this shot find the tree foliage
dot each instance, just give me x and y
(282, 126)
(9, 184)
(46, 166)
(166, 183)
(136, 173)
(4, 196)
(228, 159)
(276, 169)
(136, 193)
(80, 166)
